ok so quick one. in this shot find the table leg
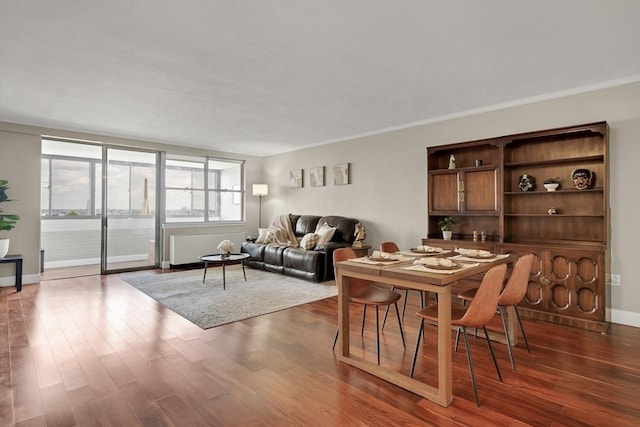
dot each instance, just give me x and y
(224, 277)
(19, 275)
(243, 271)
(343, 314)
(205, 272)
(445, 386)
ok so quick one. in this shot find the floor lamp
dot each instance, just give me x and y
(260, 190)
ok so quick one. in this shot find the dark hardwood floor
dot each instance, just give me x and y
(95, 351)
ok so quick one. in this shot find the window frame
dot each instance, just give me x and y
(208, 189)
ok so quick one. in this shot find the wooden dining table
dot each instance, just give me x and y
(393, 274)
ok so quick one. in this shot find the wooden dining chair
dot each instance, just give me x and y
(366, 293)
(478, 313)
(513, 292)
(392, 247)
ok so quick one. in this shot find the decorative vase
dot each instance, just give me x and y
(225, 254)
(4, 247)
(552, 186)
(446, 234)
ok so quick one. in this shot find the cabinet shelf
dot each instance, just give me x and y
(560, 243)
(546, 215)
(464, 169)
(566, 160)
(571, 191)
(458, 213)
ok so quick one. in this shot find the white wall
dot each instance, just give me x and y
(388, 175)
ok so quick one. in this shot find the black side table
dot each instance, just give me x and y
(17, 260)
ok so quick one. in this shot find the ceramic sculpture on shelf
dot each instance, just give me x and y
(582, 178)
(452, 162)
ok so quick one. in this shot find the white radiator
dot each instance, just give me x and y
(186, 249)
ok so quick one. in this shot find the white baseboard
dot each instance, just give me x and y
(26, 280)
(623, 317)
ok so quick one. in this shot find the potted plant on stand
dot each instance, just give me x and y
(7, 221)
(447, 224)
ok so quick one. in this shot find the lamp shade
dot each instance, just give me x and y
(260, 189)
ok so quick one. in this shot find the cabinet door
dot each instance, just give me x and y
(480, 192)
(443, 192)
(576, 283)
(537, 296)
(564, 282)
(471, 191)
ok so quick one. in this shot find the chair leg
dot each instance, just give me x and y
(404, 304)
(400, 325)
(470, 363)
(415, 353)
(377, 336)
(364, 316)
(423, 298)
(506, 335)
(455, 347)
(335, 339)
(386, 312)
(526, 343)
(493, 356)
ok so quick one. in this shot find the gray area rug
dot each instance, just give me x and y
(207, 305)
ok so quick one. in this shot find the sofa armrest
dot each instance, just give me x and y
(328, 250)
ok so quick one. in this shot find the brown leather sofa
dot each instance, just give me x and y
(310, 264)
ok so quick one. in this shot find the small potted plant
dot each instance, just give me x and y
(447, 224)
(551, 184)
(7, 221)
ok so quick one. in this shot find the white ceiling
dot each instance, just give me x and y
(273, 76)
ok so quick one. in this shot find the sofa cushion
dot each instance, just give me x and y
(305, 224)
(309, 241)
(273, 258)
(345, 228)
(256, 254)
(309, 265)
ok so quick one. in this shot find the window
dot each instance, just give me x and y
(70, 179)
(199, 189)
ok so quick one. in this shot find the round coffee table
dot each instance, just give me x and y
(217, 259)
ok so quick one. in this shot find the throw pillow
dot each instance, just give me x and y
(264, 235)
(325, 234)
(309, 241)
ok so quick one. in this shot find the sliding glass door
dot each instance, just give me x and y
(129, 219)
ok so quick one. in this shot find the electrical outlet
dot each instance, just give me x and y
(615, 280)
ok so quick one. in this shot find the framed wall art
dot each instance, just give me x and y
(295, 178)
(316, 176)
(340, 174)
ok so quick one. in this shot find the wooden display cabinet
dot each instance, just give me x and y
(469, 193)
(571, 243)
